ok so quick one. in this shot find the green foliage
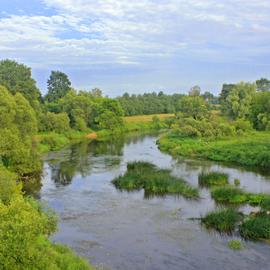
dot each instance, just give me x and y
(192, 128)
(18, 124)
(236, 182)
(154, 181)
(213, 179)
(149, 103)
(58, 86)
(17, 78)
(235, 244)
(256, 227)
(109, 120)
(265, 203)
(229, 194)
(260, 111)
(195, 107)
(8, 185)
(58, 122)
(249, 149)
(239, 100)
(222, 220)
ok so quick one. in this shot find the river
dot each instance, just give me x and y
(121, 230)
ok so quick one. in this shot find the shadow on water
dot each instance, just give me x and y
(122, 230)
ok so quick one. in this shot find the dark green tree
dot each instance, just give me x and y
(58, 86)
(17, 78)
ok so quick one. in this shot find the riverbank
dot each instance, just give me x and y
(250, 149)
(52, 141)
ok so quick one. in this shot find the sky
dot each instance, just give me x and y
(139, 46)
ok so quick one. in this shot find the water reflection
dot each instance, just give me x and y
(150, 234)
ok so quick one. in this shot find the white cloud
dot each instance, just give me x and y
(125, 32)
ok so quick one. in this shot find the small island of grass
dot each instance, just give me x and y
(154, 181)
(213, 179)
(222, 220)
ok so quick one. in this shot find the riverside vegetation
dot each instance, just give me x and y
(233, 128)
(154, 181)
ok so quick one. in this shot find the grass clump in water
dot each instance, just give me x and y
(229, 195)
(237, 182)
(235, 244)
(213, 179)
(154, 181)
(256, 227)
(222, 220)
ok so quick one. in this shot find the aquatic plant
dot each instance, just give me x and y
(237, 182)
(256, 227)
(229, 194)
(213, 179)
(154, 181)
(222, 220)
(235, 244)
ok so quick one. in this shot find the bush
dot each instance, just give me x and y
(57, 122)
(222, 220)
(213, 179)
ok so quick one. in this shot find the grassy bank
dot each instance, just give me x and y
(251, 149)
(146, 122)
(52, 141)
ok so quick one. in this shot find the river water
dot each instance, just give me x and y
(121, 230)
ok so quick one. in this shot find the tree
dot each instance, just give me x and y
(96, 92)
(17, 126)
(57, 122)
(194, 91)
(195, 107)
(260, 111)
(263, 85)
(17, 78)
(239, 100)
(226, 90)
(58, 86)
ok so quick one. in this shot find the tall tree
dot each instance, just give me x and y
(263, 85)
(58, 86)
(195, 107)
(17, 78)
(194, 91)
(239, 100)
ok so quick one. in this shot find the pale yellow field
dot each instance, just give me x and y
(145, 118)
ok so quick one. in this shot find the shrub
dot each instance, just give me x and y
(213, 179)
(222, 220)
(57, 122)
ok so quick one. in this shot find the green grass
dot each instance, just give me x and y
(229, 195)
(222, 220)
(154, 181)
(236, 182)
(251, 149)
(233, 195)
(213, 179)
(256, 227)
(51, 141)
(235, 244)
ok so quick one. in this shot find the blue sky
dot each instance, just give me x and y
(138, 46)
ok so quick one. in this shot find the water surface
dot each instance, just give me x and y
(121, 230)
